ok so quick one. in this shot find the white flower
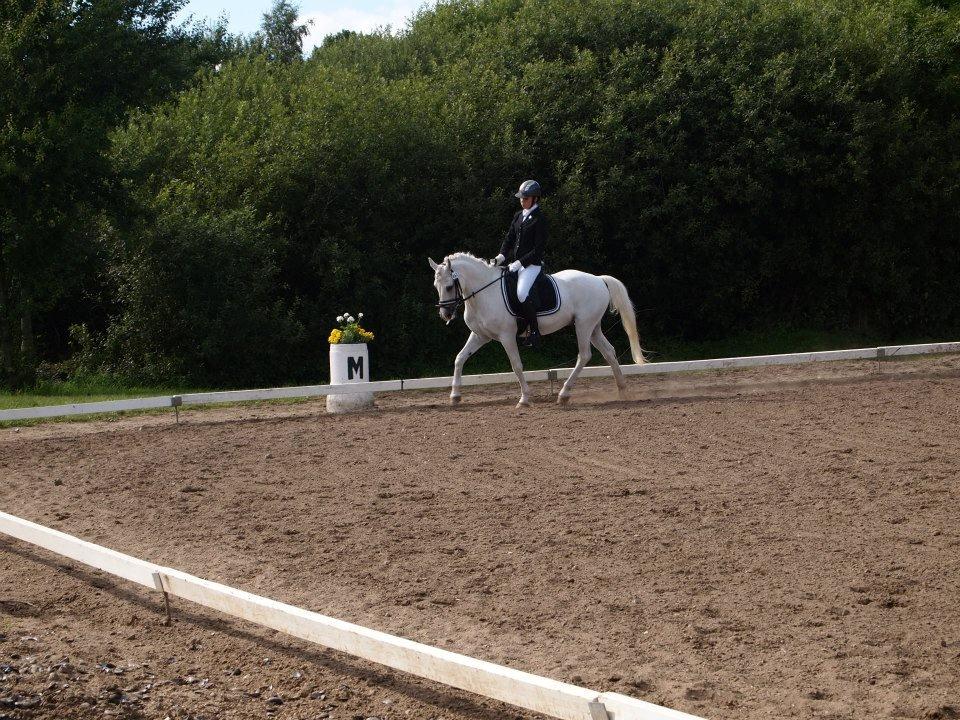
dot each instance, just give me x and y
(350, 318)
(339, 318)
(359, 315)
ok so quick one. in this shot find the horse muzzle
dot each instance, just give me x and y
(448, 315)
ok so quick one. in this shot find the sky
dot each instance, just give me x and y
(328, 16)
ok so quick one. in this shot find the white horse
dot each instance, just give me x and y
(462, 279)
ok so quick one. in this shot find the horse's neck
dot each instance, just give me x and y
(473, 273)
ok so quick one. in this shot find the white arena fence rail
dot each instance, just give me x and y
(532, 692)
(303, 391)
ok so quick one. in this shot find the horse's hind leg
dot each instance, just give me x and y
(509, 342)
(583, 357)
(609, 354)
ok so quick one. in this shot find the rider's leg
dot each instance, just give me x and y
(528, 307)
(529, 310)
(525, 280)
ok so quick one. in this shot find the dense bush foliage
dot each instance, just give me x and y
(739, 164)
(69, 72)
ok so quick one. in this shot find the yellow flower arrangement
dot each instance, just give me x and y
(349, 330)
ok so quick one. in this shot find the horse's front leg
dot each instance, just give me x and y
(509, 342)
(474, 343)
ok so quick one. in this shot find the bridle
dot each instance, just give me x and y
(459, 298)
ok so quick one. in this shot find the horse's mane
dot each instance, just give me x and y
(467, 255)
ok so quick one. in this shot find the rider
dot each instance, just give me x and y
(523, 247)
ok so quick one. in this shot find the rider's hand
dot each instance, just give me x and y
(515, 266)
(498, 260)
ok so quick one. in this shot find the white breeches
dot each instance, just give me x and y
(525, 281)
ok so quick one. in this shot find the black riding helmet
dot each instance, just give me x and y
(528, 188)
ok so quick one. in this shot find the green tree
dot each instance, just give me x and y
(741, 165)
(68, 72)
(328, 189)
(280, 37)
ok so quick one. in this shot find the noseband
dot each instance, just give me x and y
(457, 300)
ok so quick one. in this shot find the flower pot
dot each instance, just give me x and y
(349, 363)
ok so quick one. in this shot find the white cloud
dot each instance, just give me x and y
(394, 13)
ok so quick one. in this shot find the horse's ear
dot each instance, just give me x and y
(433, 265)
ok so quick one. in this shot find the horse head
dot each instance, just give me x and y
(448, 289)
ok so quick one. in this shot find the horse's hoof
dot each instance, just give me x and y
(454, 399)
(523, 404)
(563, 399)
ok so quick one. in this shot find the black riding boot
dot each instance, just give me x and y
(529, 308)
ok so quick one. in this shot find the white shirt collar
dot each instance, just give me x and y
(527, 212)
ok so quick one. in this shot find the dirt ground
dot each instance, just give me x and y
(776, 542)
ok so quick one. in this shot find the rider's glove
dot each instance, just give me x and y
(515, 266)
(498, 260)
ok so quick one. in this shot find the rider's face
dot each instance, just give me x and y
(526, 203)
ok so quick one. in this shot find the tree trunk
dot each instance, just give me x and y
(6, 341)
(28, 349)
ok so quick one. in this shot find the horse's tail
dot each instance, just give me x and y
(620, 302)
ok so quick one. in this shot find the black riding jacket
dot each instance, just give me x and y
(526, 239)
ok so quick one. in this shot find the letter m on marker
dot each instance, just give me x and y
(354, 364)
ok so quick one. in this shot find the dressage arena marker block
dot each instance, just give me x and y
(595, 371)
(533, 692)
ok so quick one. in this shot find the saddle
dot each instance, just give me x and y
(545, 294)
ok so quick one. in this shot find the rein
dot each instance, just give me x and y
(459, 299)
